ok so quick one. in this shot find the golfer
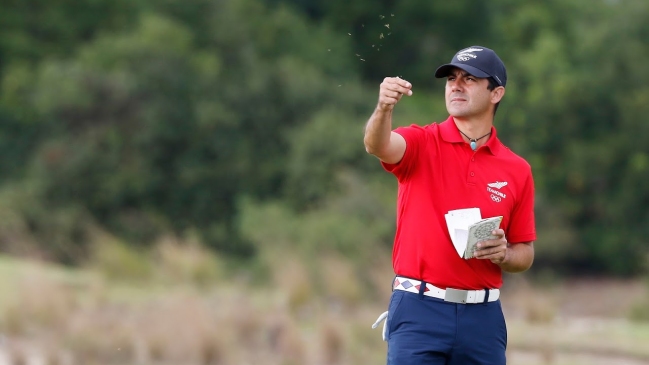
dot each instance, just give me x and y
(445, 309)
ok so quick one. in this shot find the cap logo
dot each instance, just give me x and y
(467, 54)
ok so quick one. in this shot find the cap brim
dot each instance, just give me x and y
(445, 70)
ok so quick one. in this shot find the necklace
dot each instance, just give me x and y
(474, 141)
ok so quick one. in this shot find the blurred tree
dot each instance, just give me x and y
(147, 129)
(572, 113)
(403, 38)
(17, 141)
(35, 29)
(144, 116)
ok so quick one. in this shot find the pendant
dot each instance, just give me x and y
(474, 145)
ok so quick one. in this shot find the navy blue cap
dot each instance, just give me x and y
(478, 61)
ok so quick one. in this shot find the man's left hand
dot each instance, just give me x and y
(494, 250)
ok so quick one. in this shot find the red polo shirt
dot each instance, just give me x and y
(439, 172)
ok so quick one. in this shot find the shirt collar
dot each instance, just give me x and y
(450, 133)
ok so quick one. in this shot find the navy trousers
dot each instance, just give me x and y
(423, 330)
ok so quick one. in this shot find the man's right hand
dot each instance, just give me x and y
(379, 139)
(391, 91)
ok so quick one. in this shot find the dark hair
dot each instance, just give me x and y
(492, 85)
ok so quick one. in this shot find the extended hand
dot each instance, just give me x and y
(494, 250)
(391, 91)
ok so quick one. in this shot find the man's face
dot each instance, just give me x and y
(467, 95)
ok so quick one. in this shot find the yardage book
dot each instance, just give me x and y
(467, 227)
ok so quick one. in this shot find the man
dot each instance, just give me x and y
(445, 309)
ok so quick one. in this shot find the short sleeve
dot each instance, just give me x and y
(415, 137)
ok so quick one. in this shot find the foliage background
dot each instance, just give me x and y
(237, 125)
(149, 116)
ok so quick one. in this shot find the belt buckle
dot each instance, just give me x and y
(456, 295)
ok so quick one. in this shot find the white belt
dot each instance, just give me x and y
(448, 294)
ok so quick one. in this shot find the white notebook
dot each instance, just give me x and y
(466, 228)
(480, 231)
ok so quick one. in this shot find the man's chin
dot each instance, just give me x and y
(455, 113)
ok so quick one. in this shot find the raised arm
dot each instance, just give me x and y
(379, 139)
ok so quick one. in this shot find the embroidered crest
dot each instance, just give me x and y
(466, 54)
(497, 195)
(497, 184)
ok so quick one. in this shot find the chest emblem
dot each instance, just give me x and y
(494, 189)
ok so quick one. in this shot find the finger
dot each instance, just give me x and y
(497, 256)
(398, 85)
(490, 247)
(392, 94)
(487, 252)
(401, 82)
(389, 99)
(488, 243)
(488, 257)
(499, 233)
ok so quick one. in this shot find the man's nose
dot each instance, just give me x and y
(455, 85)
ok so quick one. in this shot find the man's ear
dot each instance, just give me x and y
(497, 94)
